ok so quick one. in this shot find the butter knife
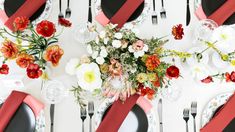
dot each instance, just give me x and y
(89, 13)
(52, 111)
(188, 17)
(160, 115)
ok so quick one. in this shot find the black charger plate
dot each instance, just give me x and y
(209, 6)
(140, 115)
(22, 121)
(11, 6)
(110, 7)
(231, 126)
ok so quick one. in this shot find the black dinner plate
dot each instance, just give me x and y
(22, 121)
(209, 6)
(231, 126)
(140, 115)
(110, 7)
(11, 6)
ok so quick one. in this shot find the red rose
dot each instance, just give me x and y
(207, 80)
(21, 23)
(33, 71)
(232, 76)
(64, 22)
(4, 69)
(45, 28)
(178, 32)
(172, 72)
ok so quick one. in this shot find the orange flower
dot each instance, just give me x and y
(53, 54)
(157, 82)
(23, 60)
(178, 32)
(115, 68)
(9, 49)
(152, 62)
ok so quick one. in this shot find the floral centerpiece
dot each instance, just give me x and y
(32, 47)
(121, 64)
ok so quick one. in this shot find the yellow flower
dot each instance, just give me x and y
(232, 62)
(45, 76)
(142, 77)
(104, 68)
(151, 77)
(224, 57)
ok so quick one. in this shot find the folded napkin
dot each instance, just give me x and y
(224, 117)
(117, 114)
(12, 104)
(221, 14)
(122, 15)
(27, 10)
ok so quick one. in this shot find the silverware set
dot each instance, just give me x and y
(83, 115)
(186, 115)
(68, 11)
(154, 14)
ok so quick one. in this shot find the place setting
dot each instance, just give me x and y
(116, 76)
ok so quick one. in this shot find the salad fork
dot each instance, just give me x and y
(90, 112)
(186, 117)
(163, 11)
(194, 113)
(83, 117)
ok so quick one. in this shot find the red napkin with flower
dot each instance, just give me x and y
(26, 10)
(12, 104)
(117, 114)
(223, 118)
(122, 15)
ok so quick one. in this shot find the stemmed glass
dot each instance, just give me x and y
(84, 33)
(204, 30)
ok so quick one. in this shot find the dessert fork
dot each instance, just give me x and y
(194, 113)
(83, 117)
(91, 112)
(186, 117)
(154, 15)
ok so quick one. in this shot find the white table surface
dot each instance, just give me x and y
(67, 114)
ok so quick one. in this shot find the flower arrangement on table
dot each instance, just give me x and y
(121, 64)
(32, 47)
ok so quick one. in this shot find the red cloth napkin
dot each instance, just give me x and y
(27, 10)
(10, 107)
(224, 12)
(223, 118)
(125, 12)
(117, 114)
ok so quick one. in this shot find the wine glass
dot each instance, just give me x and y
(83, 33)
(204, 30)
(171, 92)
(53, 91)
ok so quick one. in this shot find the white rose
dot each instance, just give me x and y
(95, 54)
(103, 53)
(106, 40)
(89, 49)
(71, 66)
(116, 43)
(118, 35)
(102, 34)
(100, 60)
(97, 40)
